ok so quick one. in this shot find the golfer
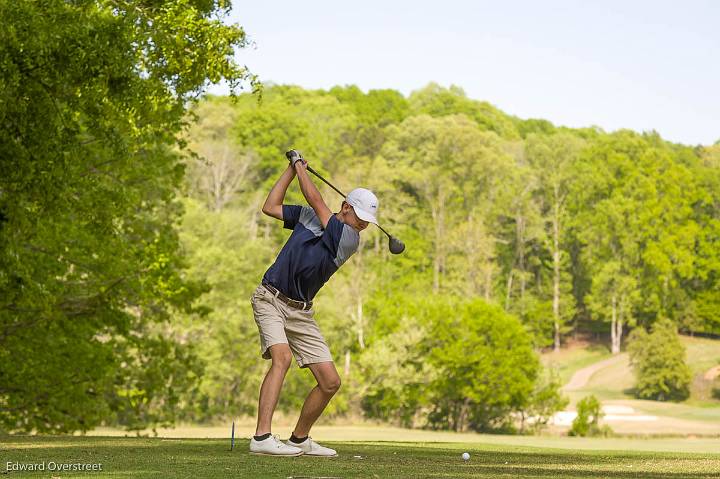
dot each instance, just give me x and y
(321, 241)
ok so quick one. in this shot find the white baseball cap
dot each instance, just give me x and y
(365, 204)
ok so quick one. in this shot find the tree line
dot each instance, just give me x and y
(562, 230)
(131, 235)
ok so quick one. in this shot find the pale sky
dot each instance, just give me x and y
(644, 65)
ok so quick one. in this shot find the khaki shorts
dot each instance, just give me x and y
(278, 323)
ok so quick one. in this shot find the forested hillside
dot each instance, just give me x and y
(131, 235)
(518, 234)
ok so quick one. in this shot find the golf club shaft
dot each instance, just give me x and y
(383, 230)
(340, 192)
(396, 246)
(325, 181)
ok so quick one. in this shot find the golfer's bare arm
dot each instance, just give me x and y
(274, 201)
(311, 194)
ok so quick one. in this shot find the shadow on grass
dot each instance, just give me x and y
(630, 392)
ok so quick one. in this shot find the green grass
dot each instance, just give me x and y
(702, 353)
(613, 384)
(209, 458)
(681, 410)
(616, 381)
(569, 360)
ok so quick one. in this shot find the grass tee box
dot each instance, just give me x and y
(210, 458)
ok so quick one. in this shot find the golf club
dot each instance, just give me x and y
(396, 246)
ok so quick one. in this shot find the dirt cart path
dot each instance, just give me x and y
(582, 376)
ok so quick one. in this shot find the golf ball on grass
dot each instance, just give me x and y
(465, 456)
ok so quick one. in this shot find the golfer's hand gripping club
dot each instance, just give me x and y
(294, 156)
(395, 245)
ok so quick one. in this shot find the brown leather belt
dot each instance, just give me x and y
(304, 305)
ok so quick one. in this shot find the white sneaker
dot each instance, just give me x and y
(311, 448)
(272, 446)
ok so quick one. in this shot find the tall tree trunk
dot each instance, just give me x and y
(461, 425)
(509, 290)
(520, 253)
(488, 281)
(357, 290)
(470, 249)
(438, 214)
(614, 340)
(619, 324)
(556, 275)
(347, 365)
(360, 326)
(436, 256)
(218, 173)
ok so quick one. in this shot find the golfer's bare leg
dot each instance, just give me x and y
(328, 383)
(270, 389)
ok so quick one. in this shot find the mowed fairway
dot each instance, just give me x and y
(590, 369)
(209, 458)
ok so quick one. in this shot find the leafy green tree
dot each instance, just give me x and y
(715, 388)
(451, 363)
(553, 158)
(633, 215)
(535, 126)
(522, 229)
(703, 289)
(658, 360)
(394, 374)
(437, 101)
(93, 98)
(486, 367)
(610, 231)
(374, 111)
(451, 169)
(315, 123)
(587, 422)
(545, 400)
(224, 254)
(219, 170)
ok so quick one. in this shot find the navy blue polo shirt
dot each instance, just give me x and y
(311, 254)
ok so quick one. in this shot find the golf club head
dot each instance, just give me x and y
(396, 246)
